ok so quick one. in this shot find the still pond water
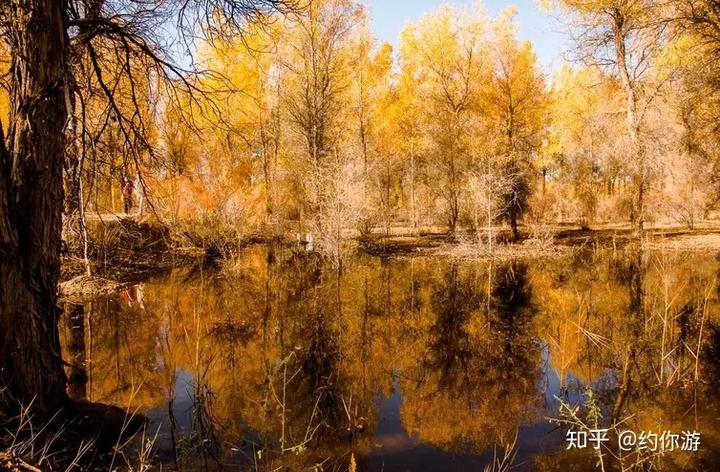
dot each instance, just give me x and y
(280, 361)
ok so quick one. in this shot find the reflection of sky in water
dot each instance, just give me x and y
(182, 406)
(396, 450)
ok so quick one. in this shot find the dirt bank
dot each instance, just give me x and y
(122, 252)
(553, 240)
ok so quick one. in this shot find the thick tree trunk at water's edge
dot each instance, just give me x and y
(31, 204)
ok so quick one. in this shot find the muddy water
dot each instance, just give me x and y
(421, 364)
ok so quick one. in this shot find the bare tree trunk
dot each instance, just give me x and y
(513, 211)
(74, 226)
(489, 227)
(515, 200)
(413, 211)
(633, 125)
(72, 230)
(31, 205)
(388, 189)
(454, 204)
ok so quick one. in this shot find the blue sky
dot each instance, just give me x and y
(390, 16)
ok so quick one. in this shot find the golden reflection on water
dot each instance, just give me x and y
(410, 363)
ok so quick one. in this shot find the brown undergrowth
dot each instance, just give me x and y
(81, 436)
(124, 251)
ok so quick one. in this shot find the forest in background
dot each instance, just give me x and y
(239, 119)
(305, 123)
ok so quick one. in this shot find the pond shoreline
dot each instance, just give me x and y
(141, 262)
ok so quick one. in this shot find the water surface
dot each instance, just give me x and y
(410, 363)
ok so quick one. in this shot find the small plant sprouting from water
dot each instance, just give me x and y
(588, 418)
(282, 403)
(507, 461)
(268, 455)
(583, 418)
(135, 448)
(679, 355)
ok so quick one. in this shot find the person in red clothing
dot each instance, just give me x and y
(127, 193)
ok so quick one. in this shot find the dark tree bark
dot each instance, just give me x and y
(513, 215)
(31, 204)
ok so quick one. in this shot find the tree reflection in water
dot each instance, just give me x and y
(283, 359)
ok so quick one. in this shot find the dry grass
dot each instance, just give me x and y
(691, 242)
(33, 446)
